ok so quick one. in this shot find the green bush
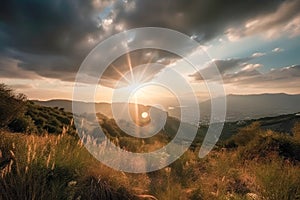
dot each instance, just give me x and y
(12, 105)
(49, 119)
(40, 121)
(52, 129)
(23, 124)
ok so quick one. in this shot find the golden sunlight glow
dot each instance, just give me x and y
(130, 66)
(144, 115)
(120, 73)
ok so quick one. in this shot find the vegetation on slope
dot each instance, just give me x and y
(59, 167)
(255, 163)
(54, 167)
(20, 115)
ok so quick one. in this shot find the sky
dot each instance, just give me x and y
(254, 44)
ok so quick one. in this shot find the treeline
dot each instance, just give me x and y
(18, 114)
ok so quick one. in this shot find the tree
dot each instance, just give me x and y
(12, 105)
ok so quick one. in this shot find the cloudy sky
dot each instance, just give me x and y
(254, 44)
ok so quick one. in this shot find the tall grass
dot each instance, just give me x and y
(59, 167)
(51, 167)
(278, 180)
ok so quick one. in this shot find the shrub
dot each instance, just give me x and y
(245, 135)
(271, 143)
(23, 124)
(49, 119)
(11, 105)
(52, 129)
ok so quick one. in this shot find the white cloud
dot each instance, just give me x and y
(250, 67)
(258, 54)
(277, 50)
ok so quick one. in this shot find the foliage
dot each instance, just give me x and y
(54, 164)
(50, 120)
(267, 144)
(20, 115)
(244, 135)
(23, 124)
(12, 105)
(59, 167)
(296, 132)
(53, 167)
(278, 180)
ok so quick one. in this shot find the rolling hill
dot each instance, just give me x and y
(239, 107)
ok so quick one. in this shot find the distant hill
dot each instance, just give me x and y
(279, 123)
(239, 107)
(242, 107)
(256, 106)
(104, 108)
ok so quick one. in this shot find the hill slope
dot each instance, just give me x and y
(239, 107)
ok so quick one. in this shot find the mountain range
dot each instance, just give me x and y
(239, 107)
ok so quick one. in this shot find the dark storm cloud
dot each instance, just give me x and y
(137, 58)
(44, 36)
(12, 70)
(51, 38)
(48, 27)
(285, 20)
(204, 18)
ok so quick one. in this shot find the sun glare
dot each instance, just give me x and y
(145, 115)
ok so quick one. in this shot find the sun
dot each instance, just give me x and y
(144, 115)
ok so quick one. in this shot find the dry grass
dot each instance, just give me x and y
(47, 167)
(59, 167)
(278, 179)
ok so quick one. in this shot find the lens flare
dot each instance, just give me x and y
(144, 115)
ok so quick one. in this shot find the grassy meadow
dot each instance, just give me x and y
(59, 167)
